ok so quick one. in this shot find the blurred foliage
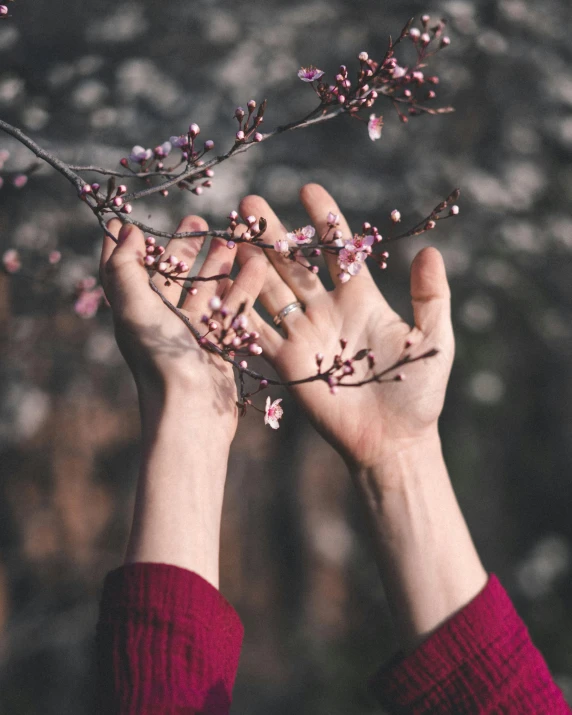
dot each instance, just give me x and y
(90, 80)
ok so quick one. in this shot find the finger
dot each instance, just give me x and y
(125, 276)
(184, 249)
(270, 339)
(318, 203)
(107, 248)
(274, 294)
(430, 293)
(218, 261)
(304, 284)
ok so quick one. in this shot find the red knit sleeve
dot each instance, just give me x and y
(167, 642)
(480, 661)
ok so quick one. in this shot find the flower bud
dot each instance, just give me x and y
(250, 220)
(251, 104)
(395, 216)
(124, 162)
(149, 260)
(194, 130)
(263, 383)
(198, 190)
(213, 325)
(117, 201)
(425, 39)
(233, 215)
(445, 41)
(240, 136)
(193, 291)
(209, 173)
(173, 260)
(243, 364)
(215, 303)
(209, 145)
(86, 189)
(430, 224)
(454, 210)
(425, 19)
(414, 34)
(127, 209)
(162, 267)
(239, 112)
(3, 10)
(96, 187)
(363, 57)
(255, 349)
(230, 244)
(257, 137)
(341, 99)
(54, 257)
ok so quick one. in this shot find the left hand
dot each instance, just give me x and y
(159, 349)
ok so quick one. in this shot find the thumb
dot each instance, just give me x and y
(430, 293)
(122, 271)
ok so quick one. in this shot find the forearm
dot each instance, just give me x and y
(178, 504)
(428, 562)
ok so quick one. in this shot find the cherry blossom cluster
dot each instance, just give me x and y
(182, 162)
(401, 84)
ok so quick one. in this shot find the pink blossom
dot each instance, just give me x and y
(395, 216)
(11, 260)
(20, 181)
(179, 141)
(164, 149)
(414, 34)
(350, 260)
(309, 74)
(361, 243)
(333, 219)
(273, 412)
(139, 154)
(54, 257)
(301, 236)
(399, 72)
(374, 127)
(282, 247)
(3, 10)
(454, 210)
(88, 302)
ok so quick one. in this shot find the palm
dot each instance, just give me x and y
(358, 421)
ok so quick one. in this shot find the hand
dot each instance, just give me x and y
(363, 423)
(159, 349)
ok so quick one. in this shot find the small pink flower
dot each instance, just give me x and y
(54, 257)
(395, 216)
(350, 260)
(300, 236)
(399, 72)
(11, 260)
(374, 127)
(88, 302)
(179, 141)
(273, 413)
(309, 74)
(164, 149)
(20, 181)
(139, 154)
(361, 243)
(282, 247)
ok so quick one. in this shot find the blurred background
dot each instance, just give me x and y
(90, 80)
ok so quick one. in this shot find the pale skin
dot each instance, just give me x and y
(387, 433)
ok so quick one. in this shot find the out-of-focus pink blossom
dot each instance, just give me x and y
(179, 141)
(163, 149)
(395, 216)
(54, 257)
(399, 72)
(374, 127)
(88, 302)
(20, 181)
(11, 260)
(282, 247)
(309, 74)
(273, 412)
(139, 154)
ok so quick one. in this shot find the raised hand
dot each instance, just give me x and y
(157, 345)
(363, 422)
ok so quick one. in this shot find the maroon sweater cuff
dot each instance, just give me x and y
(480, 661)
(167, 642)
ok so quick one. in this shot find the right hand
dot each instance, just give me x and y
(363, 423)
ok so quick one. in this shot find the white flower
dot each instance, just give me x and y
(273, 413)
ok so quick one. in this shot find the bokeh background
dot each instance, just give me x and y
(89, 80)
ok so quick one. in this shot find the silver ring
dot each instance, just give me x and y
(279, 317)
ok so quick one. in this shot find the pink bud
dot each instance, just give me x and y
(209, 144)
(425, 38)
(430, 224)
(414, 34)
(194, 129)
(193, 291)
(215, 303)
(239, 112)
(400, 377)
(124, 162)
(160, 250)
(343, 343)
(250, 220)
(150, 250)
(86, 189)
(209, 173)
(162, 267)
(117, 201)
(173, 260)
(127, 209)
(20, 181)
(454, 210)
(243, 364)
(198, 190)
(164, 192)
(3, 10)
(246, 236)
(251, 104)
(445, 41)
(363, 57)
(213, 325)
(425, 19)
(236, 342)
(341, 98)
(96, 187)
(233, 215)
(149, 260)
(255, 349)
(230, 244)
(121, 189)
(54, 257)
(240, 136)
(263, 383)
(395, 216)
(338, 234)
(150, 240)
(315, 269)
(257, 137)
